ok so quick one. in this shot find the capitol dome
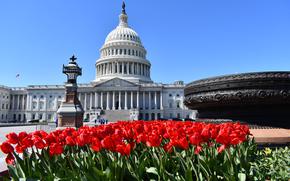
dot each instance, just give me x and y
(123, 55)
(123, 33)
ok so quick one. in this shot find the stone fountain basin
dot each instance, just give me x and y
(261, 98)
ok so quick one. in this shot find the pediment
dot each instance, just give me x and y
(116, 82)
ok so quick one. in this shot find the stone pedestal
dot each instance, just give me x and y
(70, 115)
(70, 112)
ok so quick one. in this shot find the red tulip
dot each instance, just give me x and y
(70, 141)
(55, 149)
(197, 150)
(221, 148)
(10, 160)
(6, 148)
(12, 138)
(19, 148)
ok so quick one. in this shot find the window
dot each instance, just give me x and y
(50, 105)
(129, 52)
(33, 116)
(178, 115)
(34, 104)
(177, 95)
(120, 51)
(41, 97)
(49, 116)
(177, 104)
(170, 105)
(41, 105)
(125, 51)
(40, 116)
(34, 97)
(170, 95)
(171, 116)
(152, 116)
(50, 96)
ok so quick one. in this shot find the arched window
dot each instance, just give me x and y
(133, 52)
(129, 52)
(120, 51)
(125, 51)
(177, 104)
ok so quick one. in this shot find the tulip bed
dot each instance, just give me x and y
(139, 150)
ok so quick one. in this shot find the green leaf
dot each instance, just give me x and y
(152, 170)
(242, 177)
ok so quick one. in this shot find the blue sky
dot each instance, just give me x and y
(185, 40)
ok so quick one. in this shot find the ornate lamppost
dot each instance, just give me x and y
(70, 112)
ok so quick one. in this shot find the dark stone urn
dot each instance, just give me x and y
(259, 98)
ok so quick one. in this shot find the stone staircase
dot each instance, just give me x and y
(116, 115)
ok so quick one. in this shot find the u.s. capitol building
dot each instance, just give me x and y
(121, 90)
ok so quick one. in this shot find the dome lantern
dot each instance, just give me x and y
(123, 16)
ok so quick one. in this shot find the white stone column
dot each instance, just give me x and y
(149, 100)
(143, 101)
(132, 106)
(118, 68)
(113, 104)
(137, 99)
(45, 103)
(91, 101)
(12, 102)
(55, 102)
(108, 104)
(18, 102)
(113, 67)
(85, 102)
(126, 106)
(128, 65)
(155, 100)
(102, 107)
(132, 68)
(161, 100)
(120, 100)
(27, 101)
(123, 67)
(23, 102)
(104, 69)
